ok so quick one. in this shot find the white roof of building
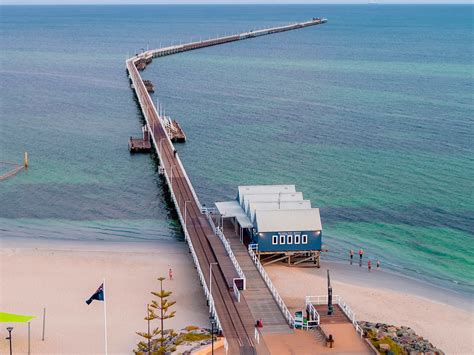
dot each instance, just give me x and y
(263, 189)
(271, 197)
(288, 220)
(282, 205)
(233, 209)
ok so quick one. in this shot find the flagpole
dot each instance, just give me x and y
(105, 317)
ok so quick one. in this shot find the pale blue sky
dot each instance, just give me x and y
(109, 2)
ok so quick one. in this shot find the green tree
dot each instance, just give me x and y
(146, 345)
(156, 340)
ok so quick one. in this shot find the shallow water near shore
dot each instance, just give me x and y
(370, 116)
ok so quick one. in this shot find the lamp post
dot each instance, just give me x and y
(9, 329)
(213, 323)
(222, 222)
(210, 283)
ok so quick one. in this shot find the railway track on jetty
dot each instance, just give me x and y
(233, 318)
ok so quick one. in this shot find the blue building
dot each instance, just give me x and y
(287, 230)
(276, 221)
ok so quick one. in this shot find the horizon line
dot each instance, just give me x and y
(237, 4)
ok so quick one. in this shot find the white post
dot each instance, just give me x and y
(44, 321)
(105, 316)
(29, 339)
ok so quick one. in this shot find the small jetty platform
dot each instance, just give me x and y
(340, 323)
(176, 132)
(149, 86)
(140, 145)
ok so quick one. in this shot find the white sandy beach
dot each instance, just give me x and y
(444, 318)
(61, 275)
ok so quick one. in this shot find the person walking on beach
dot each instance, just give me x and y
(378, 264)
(351, 254)
(170, 274)
(369, 265)
(361, 253)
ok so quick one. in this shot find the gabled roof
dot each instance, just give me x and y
(271, 197)
(282, 205)
(262, 189)
(288, 220)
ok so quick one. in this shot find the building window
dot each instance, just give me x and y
(282, 239)
(304, 239)
(297, 239)
(289, 239)
(275, 239)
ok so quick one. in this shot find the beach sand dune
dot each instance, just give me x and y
(444, 318)
(62, 275)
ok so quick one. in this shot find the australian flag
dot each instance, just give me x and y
(98, 295)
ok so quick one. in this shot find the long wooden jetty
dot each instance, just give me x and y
(213, 257)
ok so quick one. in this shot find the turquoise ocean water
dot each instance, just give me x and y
(370, 116)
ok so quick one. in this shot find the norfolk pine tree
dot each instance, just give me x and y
(159, 309)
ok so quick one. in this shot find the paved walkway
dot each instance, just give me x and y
(258, 296)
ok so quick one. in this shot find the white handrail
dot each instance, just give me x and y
(313, 312)
(317, 300)
(289, 317)
(226, 346)
(227, 247)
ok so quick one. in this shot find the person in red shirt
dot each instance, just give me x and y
(369, 265)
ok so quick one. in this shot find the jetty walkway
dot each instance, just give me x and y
(213, 257)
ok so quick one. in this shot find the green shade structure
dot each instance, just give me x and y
(14, 318)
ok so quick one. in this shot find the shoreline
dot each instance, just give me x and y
(386, 276)
(391, 280)
(338, 255)
(384, 297)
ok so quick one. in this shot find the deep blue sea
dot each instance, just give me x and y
(369, 115)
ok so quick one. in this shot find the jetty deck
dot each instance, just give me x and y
(236, 319)
(258, 296)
